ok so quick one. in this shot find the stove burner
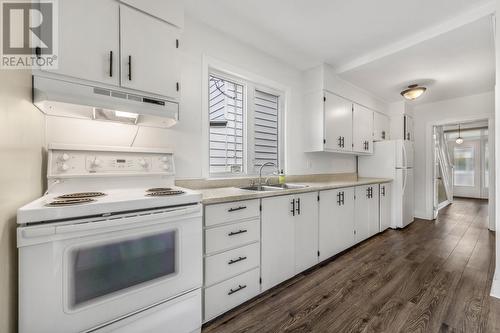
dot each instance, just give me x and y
(81, 195)
(159, 189)
(164, 193)
(69, 202)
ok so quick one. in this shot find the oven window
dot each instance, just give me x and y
(108, 268)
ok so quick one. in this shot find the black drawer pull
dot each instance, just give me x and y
(240, 287)
(110, 63)
(130, 68)
(233, 233)
(234, 261)
(230, 210)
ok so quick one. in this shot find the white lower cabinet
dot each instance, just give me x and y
(289, 237)
(366, 212)
(336, 221)
(230, 293)
(385, 206)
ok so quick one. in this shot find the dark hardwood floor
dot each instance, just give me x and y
(433, 276)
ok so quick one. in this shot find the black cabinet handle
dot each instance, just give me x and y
(383, 135)
(298, 206)
(230, 210)
(339, 200)
(383, 190)
(110, 63)
(343, 142)
(339, 143)
(234, 261)
(130, 68)
(234, 233)
(342, 196)
(240, 287)
(293, 207)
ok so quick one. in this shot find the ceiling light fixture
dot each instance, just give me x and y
(459, 140)
(413, 92)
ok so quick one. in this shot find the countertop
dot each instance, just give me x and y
(228, 194)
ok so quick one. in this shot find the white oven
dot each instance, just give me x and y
(94, 271)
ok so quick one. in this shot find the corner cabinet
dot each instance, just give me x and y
(337, 124)
(289, 237)
(381, 127)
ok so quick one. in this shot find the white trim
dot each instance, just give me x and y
(261, 83)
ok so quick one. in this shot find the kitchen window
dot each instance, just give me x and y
(244, 126)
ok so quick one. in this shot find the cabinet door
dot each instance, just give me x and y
(408, 127)
(385, 206)
(336, 221)
(381, 125)
(171, 11)
(362, 129)
(149, 54)
(374, 215)
(88, 49)
(338, 123)
(306, 231)
(278, 240)
(362, 213)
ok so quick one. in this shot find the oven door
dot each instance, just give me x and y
(95, 272)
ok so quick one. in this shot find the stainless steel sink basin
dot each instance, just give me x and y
(276, 187)
(262, 188)
(287, 186)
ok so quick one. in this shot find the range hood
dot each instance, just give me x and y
(60, 97)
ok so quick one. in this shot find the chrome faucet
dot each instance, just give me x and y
(260, 170)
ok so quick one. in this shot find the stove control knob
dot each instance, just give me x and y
(166, 166)
(64, 167)
(164, 159)
(143, 163)
(64, 157)
(96, 162)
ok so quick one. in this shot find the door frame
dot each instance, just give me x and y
(429, 166)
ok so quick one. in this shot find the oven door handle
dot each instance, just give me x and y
(122, 223)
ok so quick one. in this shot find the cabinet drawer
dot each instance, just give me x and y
(227, 264)
(231, 236)
(231, 211)
(228, 294)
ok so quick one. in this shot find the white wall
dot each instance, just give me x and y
(473, 107)
(21, 144)
(188, 138)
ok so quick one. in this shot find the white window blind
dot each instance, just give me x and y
(266, 129)
(226, 126)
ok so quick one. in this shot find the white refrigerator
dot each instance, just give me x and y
(393, 159)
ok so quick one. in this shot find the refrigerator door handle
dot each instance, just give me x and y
(405, 157)
(405, 180)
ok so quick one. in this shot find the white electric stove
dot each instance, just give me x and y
(112, 246)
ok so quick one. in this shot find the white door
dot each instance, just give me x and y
(278, 240)
(374, 215)
(362, 131)
(306, 231)
(89, 40)
(467, 171)
(362, 213)
(381, 125)
(338, 123)
(150, 59)
(336, 221)
(385, 206)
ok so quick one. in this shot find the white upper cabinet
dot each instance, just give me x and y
(338, 123)
(336, 221)
(306, 231)
(89, 48)
(150, 58)
(362, 129)
(381, 127)
(171, 11)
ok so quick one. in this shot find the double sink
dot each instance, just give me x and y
(277, 187)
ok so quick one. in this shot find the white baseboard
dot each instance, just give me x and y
(495, 286)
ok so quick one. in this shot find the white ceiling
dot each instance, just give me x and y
(458, 63)
(355, 36)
